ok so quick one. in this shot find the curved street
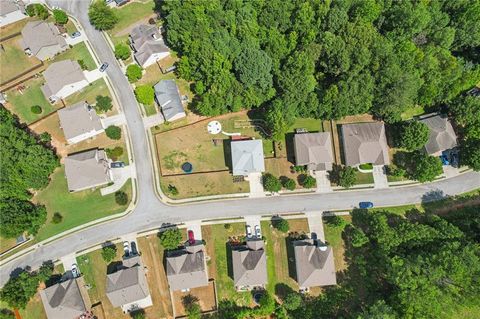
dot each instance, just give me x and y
(151, 213)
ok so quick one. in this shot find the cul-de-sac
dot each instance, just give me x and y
(239, 159)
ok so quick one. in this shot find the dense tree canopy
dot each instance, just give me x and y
(101, 16)
(413, 135)
(324, 59)
(170, 239)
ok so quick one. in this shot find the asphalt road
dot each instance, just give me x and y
(151, 213)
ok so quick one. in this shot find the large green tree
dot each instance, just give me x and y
(413, 135)
(20, 216)
(101, 16)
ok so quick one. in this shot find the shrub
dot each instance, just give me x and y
(271, 183)
(144, 94)
(109, 253)
(292, 301)
(38, 10)
(82, 64)
(101, 16)
(36, 109)
(228, 227)
(104, 103)
(114, 132)
(114, 153)
(134, 73)
(289, 184)
(121, 198)
(57, 218)
(60, 16)
(122, 51)
(45, 137)
(170, 239)
(172, 189)
(281, 224)
(138, 314)
(308, 181)
(396, 171)
(336, 221)
(344, 176)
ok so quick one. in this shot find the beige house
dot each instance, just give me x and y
(250, 265)
(42, 39)
(79, 122)
(365, 143)
(63, 79)
(314, 150)
(314, 264)
(66, 300)
(441, 136)
(87, 170)
(186, 268)
(11, 11)
(148, 45)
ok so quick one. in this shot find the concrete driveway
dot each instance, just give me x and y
(153, 120)
(256, 186)
(323, 182)
(93, 75)
(120, 177)
(67, 262)
(196, 227)
(315, 224)
(118, 120)
(380, 176)
(76, 40)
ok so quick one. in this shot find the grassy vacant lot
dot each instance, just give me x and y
(129, 16)
(78, 52)
(20, 102)
(13, 61)
(89, 93)
(280, 258)
(195, 185)
(76, 208)
(219, 265)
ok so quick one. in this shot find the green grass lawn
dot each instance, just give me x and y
(311, 125)
(413, 111)
(333, 236)
(150, 109)
(130, 14)
(32, 95)
(363, 178)
(76, 208)
(70, 27)
(89, 93)
(14, 61)
(78, 52)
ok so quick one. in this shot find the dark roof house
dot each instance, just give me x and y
(314, 150)
(186, 268)
(65, 300)
(442, 136)
(249, 265)
(168, 98)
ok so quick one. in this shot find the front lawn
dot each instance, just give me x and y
(310, 124)
(89, 93)
(333, 237)
(76, 208)
(14, 61)
(363, 178)
(78, 52)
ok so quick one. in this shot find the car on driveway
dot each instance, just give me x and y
(75, 34)
(74, 271)
(126, 248)
(258, 233)
(191, 237)
(365, 205)
(249, 231)
(103, 67)
(117, 164)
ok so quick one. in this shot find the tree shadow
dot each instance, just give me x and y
(433, 195)
(53, 280)
(227, 154)
(292, 269)
(290, 147)
(282, 290)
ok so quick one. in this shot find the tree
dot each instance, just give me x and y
(266, 305)
(281, 224)
(466, 112)
(109, 253)
(82, 64)
(289, 184)
(172, 189)
(37, 9)
(470, 154)
(18, 290)
(413, 136)
(6, 314)
(60, 16)
(271, 183)
(424, 168)
(114, 153)
(45, 137)
(144, 94)
(104, 103)
(192, 308)
(336, 221)
(138, 314)
(57, 218)
(101, 16)
(19, 216)
(292, 301)
(344, 176)
(114, 132)
(358, 237)
(36, 109)
(134, 73)
(308, 181)
(122, 51)
(170, 239)
(121, 198)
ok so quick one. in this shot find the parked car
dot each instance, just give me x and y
(444, 159)
(249, 231)
(103, 67)
(258, 233)
(365, 205)
(191, 237)
(75, 34)
(74, 271)
(117, 164)
(454, 159)
(126, 248)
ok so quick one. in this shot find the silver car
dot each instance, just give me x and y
(258, 233)
(249, 231)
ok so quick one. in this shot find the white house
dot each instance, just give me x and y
(63, 79)
(11, 11)
(79, 122)
(148, 45)
(168, 98)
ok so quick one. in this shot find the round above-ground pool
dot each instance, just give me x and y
(187, 167)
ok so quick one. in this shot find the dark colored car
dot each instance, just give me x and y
(117, 164)
(103, 67)
(75, 34)
(191, 237)
(365, 205)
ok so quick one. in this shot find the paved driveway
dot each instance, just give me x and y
(67, 262)
(323, 182)
(196, 227)
(256, 186)
(120, 177)
(380, 176)
(118, 120)
(93, 75)
(153, 120)
(315, 225)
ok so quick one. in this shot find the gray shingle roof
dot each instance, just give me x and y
(186, 268)
(127, 285)
(442, 136)
(168, 97)
(79, 119)
(314, 267)
(314, 150)
(247, 157)
(9, 6)
(86, 169)
(39, 34)
(365, 143)
(63, 300)
(146, 40)
(250, 264)
(59, 74)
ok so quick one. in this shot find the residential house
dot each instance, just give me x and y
(11, 11)
(42, 39)
(66, 300)
(365, 143)
(314, 264)
(314, 150)
(87, 170)
(148, 45)
(63, 79)
(79, 122)
(441, 136)
(247, 157)
(127, 287)
(186, 268)
(250, 265)
(168, 98)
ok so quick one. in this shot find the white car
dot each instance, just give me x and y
(74, 271)
(126, 248)
(258, 233)
(249, 231)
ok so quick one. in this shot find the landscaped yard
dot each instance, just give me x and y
(280, 167)
(20, 101)
(14, 61)
(78, 52)
(76, 208)
(7, 243)
(89, 93)
(219, 265)
(363, 178)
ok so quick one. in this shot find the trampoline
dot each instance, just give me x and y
(187, 167)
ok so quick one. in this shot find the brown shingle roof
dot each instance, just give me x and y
(314, 266)
(441, 136)
(250, 264)
(314, 150)
(186, 268)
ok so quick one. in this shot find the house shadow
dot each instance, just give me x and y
(53, 280)
(283, 290)
(227, 154)
(228, 248)
(292, 270)
(290, 147)
(113, 267)
(340, 143)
